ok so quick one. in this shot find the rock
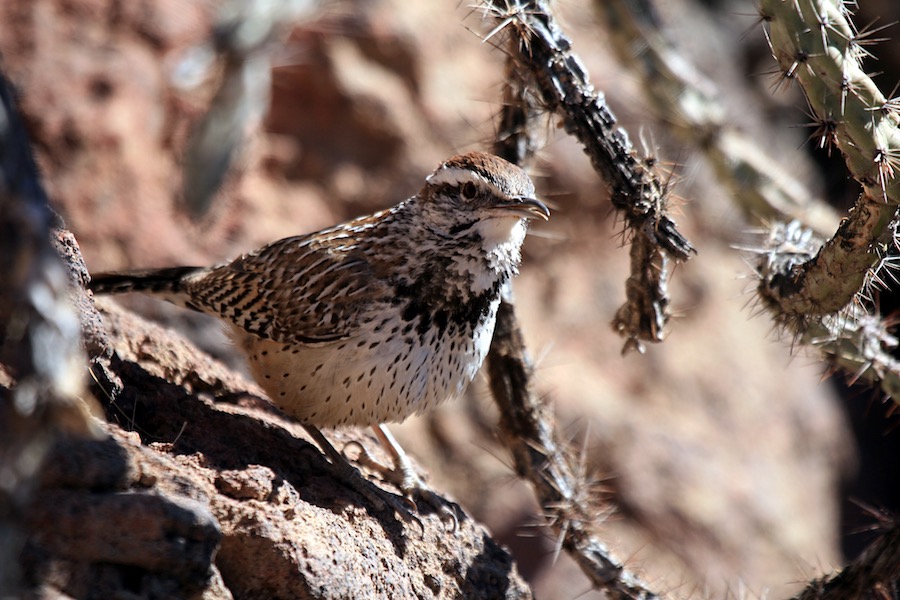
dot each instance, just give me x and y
(216, 494)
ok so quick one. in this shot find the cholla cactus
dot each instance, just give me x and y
(816, 44)
(822, 293)
(818, 290)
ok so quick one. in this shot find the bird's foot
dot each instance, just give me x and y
(350, 476)
(413, 487)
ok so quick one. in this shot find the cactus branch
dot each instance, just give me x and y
(798, 224)
(639, 193)
(527, 425)
(816, 44)
(875, 574)
(858, 342)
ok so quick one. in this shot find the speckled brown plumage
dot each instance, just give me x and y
(378, 318)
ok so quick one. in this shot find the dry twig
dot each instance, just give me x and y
(572, 509)
(637, 190)
(875, 574)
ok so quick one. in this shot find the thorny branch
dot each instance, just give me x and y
(526, 424)
(637, 190)
(875, 574)
(826, 292)
(858, 342)
(689, 104)
(816, 44)
(527, 430)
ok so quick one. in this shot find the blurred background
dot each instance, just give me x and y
(732, 461)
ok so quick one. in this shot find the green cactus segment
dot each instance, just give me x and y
(817, 45)
(829, 282)
(857, 342)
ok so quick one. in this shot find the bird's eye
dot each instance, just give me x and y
(469, 190)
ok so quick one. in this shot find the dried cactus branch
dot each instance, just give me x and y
(875, 574)
(816, 44)
(526, 427)
(638, 191)
(646, 288)
(527, 423)
(515, 131)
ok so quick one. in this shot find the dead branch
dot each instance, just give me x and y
(527, 429)
(638, 191)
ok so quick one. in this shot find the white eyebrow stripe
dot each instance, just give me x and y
(457, 176)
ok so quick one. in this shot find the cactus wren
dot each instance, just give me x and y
(375, 319)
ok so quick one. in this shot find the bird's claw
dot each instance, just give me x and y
(380, 499)
(410, 484)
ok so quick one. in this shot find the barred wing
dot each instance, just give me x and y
(306, 289)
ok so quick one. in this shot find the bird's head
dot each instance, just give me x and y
(481, 196)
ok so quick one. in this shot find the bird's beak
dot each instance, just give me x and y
(526, 208)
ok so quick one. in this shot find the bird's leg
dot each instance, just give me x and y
(351, 476)
(404, 476)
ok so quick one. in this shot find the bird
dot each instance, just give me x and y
(373, 320)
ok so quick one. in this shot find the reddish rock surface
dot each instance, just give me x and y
(213, 492)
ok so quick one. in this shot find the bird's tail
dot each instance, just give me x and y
(168, 284)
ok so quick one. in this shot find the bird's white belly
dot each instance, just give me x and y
(369, 378)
